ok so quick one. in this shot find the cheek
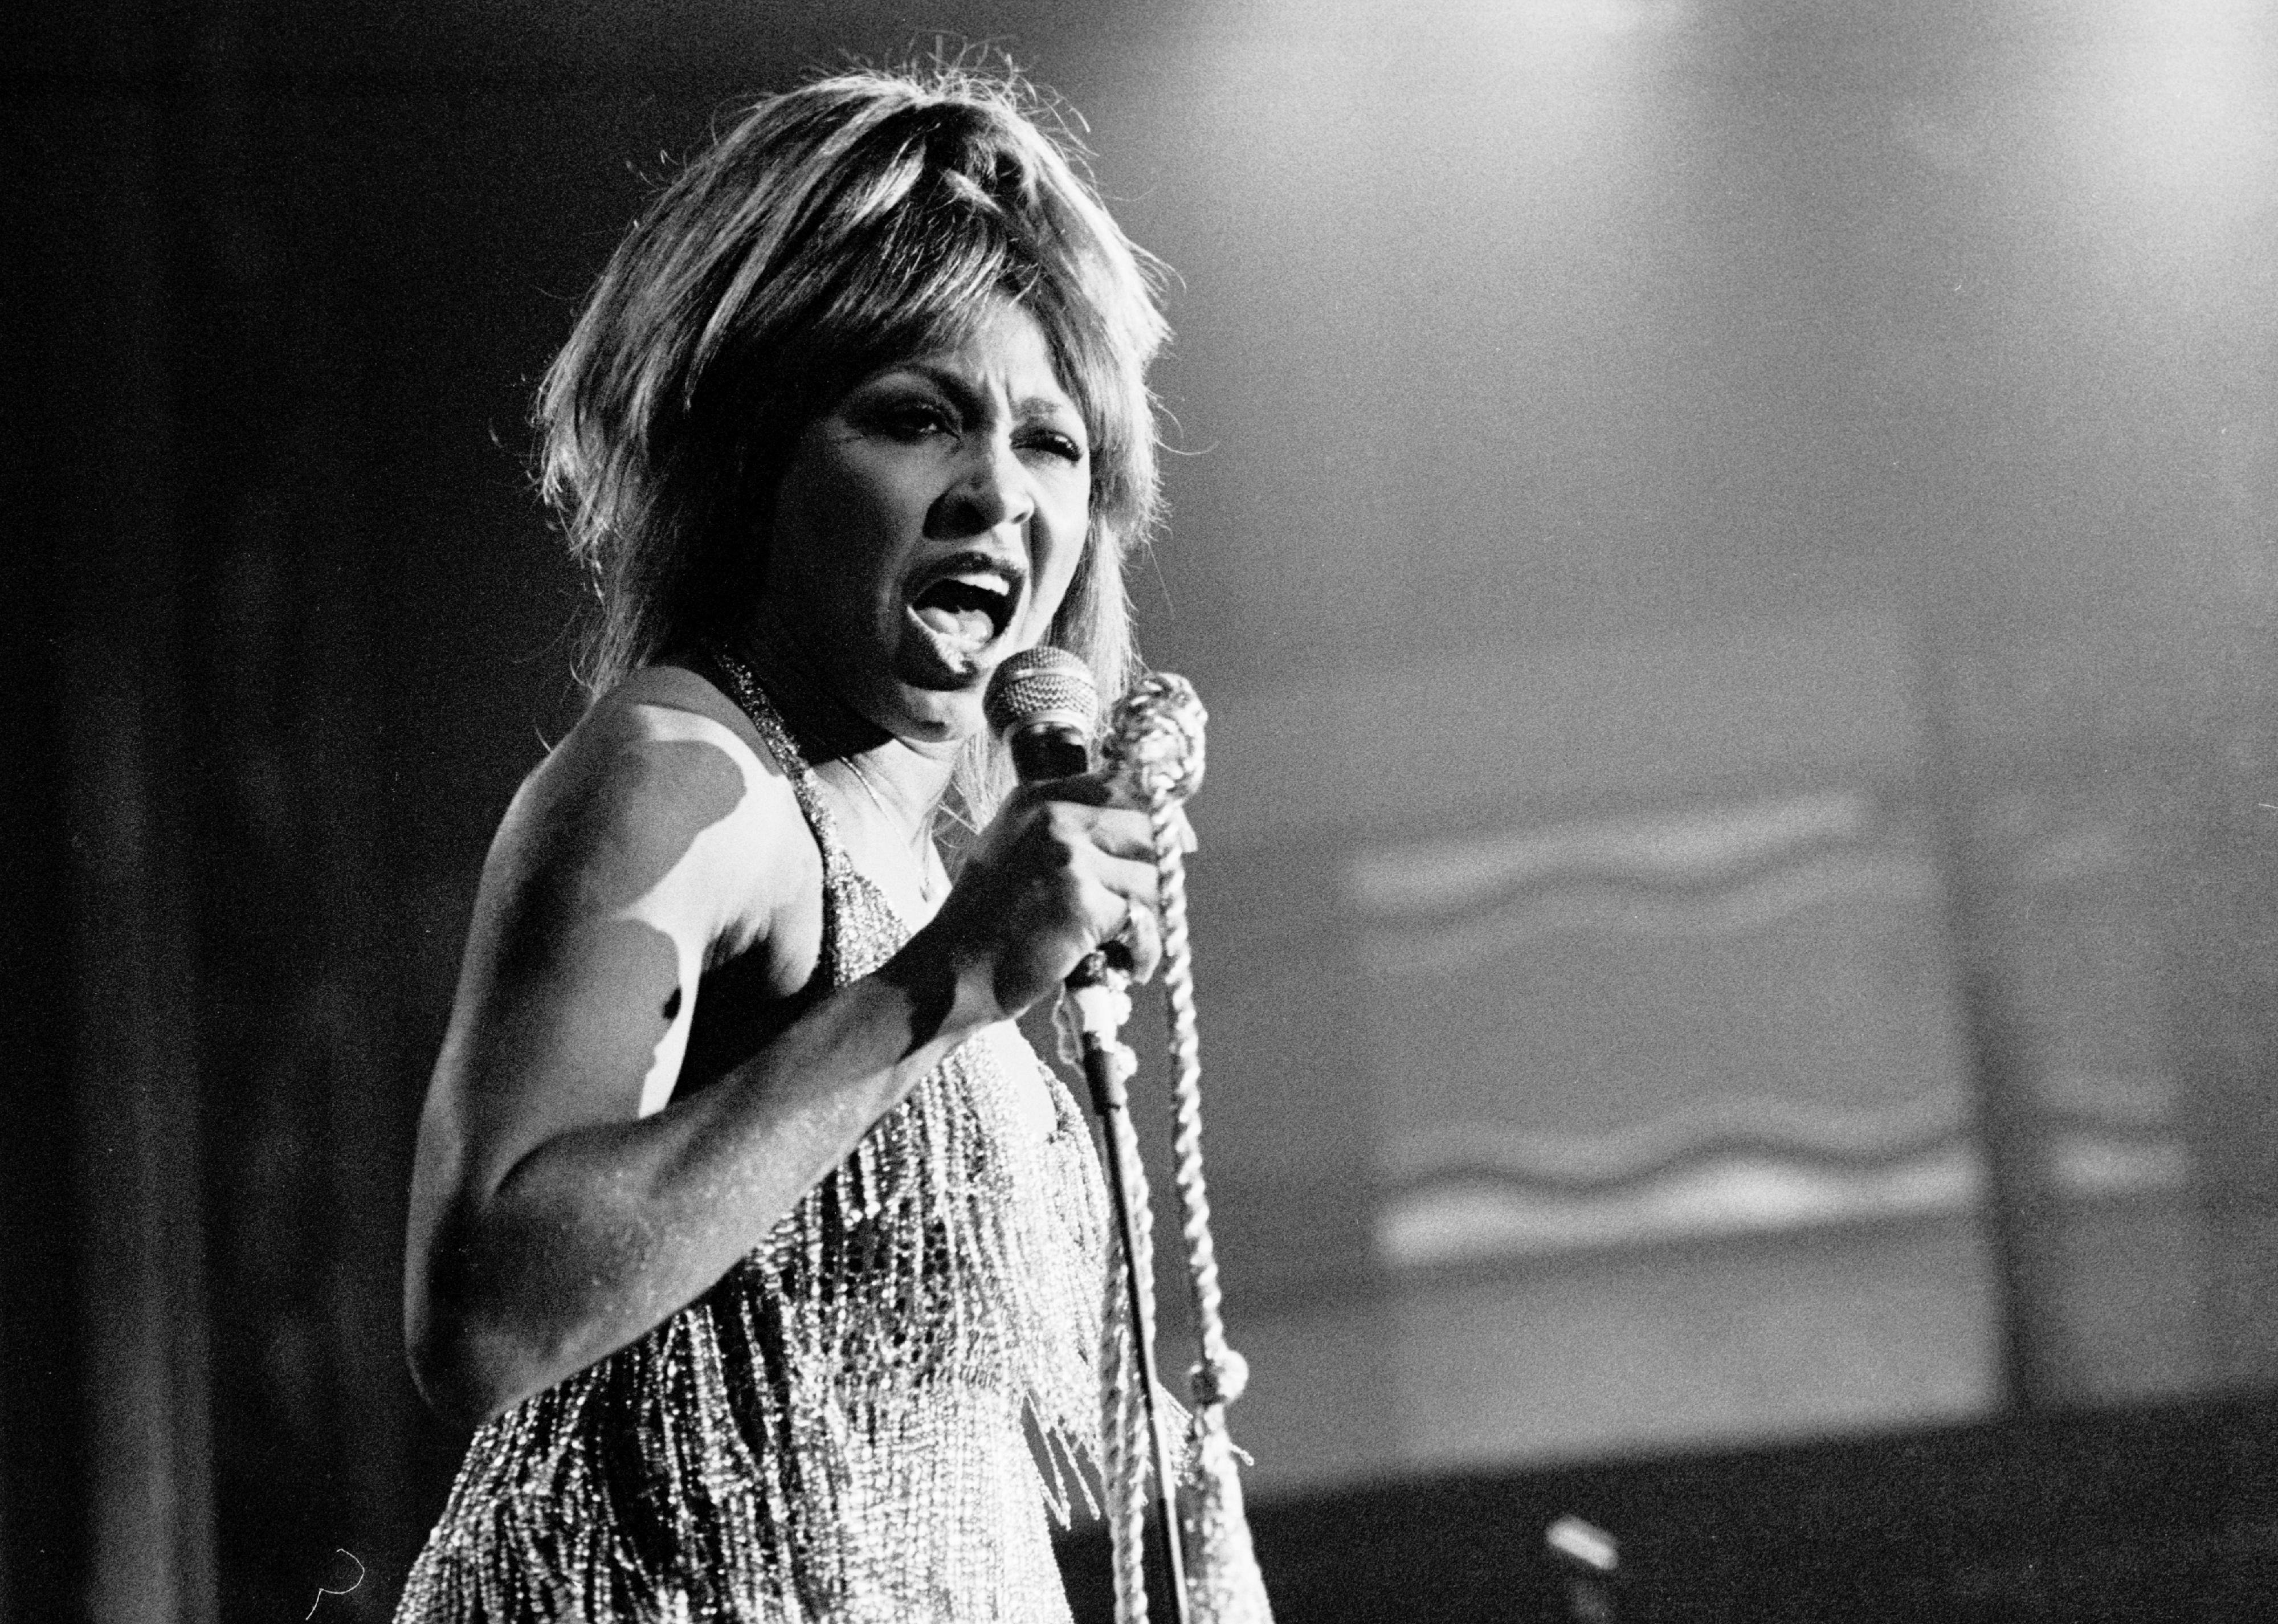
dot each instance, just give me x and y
(1072, 536)
(837, 540)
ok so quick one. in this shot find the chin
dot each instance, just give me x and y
(936, 718)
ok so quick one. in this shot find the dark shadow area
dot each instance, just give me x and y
(2149, 1516)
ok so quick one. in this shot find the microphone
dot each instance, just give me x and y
(1043, 703)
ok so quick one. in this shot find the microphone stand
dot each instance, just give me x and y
(1100, 991)
(1045, 704)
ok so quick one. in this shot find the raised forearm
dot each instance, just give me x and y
(598, 1233)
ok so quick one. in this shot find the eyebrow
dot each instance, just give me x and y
(955, 385)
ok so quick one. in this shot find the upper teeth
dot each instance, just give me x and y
(985, 581)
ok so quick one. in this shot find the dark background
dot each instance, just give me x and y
(1571, 324)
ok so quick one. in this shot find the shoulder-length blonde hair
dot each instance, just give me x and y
(832, 231)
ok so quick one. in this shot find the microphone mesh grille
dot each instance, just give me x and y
(1042, 685)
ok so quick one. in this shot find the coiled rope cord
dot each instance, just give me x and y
(1129, 1453)
(1221, 1375)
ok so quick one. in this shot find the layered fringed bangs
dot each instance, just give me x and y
(834, 230)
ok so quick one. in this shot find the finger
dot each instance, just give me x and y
(1123, 833)
(1102, 832)
(1084, 789)
(1117, 904)
(1136, 947)
(1182, 832)
(1131, 879)
(1142, 939)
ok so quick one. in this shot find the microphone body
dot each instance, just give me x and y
(1046, 751)
(1046, 707)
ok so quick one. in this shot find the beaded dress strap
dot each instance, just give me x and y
(745, 689)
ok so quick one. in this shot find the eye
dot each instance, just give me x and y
(913, 417)
(1054, 444)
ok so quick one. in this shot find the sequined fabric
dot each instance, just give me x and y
(835, 1432)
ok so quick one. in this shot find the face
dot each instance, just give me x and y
(928, 525)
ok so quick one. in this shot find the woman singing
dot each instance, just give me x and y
(745, 1222)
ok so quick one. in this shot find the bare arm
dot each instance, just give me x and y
(560, 1205)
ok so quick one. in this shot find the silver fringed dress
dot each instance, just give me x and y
(838, 1430)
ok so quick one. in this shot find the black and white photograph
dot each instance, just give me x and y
(1207, 811)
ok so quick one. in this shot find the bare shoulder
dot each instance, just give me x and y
(663, 795)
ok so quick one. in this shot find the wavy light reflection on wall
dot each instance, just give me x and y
(1716, 1022)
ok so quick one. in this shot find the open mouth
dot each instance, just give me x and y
(968, 607)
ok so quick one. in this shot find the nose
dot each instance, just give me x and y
(991, 490)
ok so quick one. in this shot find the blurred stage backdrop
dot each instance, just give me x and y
(1730, 548)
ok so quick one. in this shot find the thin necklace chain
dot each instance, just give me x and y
(921, 848)
(920, 842)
